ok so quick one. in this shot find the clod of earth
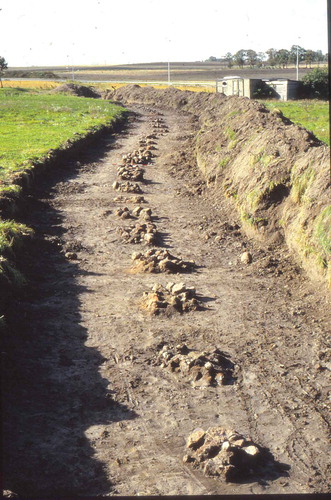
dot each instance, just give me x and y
(141, 155)
(202, 368)
(142, 213)
(134, 199)
(71, 255)
(246, 258)
(140, 233)
(130, 173)
(173, 297)
(160, 261)
(227, 454)
(127, 187)
(159, 124)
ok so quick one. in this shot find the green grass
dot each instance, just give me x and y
(33, 123)
(310, 114)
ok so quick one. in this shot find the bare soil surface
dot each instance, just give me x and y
(88, 409)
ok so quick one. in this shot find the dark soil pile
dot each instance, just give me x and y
(78, 90)
(275, 172)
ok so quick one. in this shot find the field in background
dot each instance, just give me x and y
(158, 72)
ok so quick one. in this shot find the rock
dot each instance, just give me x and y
(136, 255)
(178, 288)
(246, 258)
(172, 300)
(217, 454)
(71, 255)
(201, 368)
(196, 439)
(136, 211)
(251, 450)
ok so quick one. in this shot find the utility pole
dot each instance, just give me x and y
(298, 60)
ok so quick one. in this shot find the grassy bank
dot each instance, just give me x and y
(33, 123)
(310, 114)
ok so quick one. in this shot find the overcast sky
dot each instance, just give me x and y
(84, 32)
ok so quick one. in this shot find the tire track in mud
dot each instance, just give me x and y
(135, 440)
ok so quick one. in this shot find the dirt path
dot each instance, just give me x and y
(90, 411)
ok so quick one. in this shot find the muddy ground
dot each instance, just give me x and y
(88, 410)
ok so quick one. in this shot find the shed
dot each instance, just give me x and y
(236, 85)
(285, 89)
(282, 88)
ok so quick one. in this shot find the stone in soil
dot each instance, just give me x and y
(143, 213)
(142, 155)
(246, 258)
(164, 299)
(160, 261)
(131, 173)
(133, 199)
(226, 453)
(127, 187)
(202, 368)
(140, 233)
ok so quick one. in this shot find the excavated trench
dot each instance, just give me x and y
(158, 349)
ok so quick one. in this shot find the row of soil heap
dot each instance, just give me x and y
(277, 174)
(216, 451)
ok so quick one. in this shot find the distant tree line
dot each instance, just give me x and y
(273, 58)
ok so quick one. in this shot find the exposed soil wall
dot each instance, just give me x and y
(275, 172)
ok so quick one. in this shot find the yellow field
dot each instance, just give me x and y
(30, 84)
(49, 85)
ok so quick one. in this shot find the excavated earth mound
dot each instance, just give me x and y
(275, 172)
(78, 90)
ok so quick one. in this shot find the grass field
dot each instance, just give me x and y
(32, 123)
(310, 114)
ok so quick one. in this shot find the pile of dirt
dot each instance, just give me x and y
(157, 260)
(225, 453)
(77, 90)
(131, 173)
(134, 199)
(173, 297)
(275, 172)
(137, 211)
(202, 368)
(139, 233)
(127, 187)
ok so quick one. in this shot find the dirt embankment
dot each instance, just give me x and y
(275, 172)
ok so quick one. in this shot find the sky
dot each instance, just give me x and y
(99, 32)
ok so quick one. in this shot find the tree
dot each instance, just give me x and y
(283, 57)
(229, 59)
(310, 56)
(3, 67)
(318, 57)
(239, 58)
(316, 83)
(252, 57)
(272, 57)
